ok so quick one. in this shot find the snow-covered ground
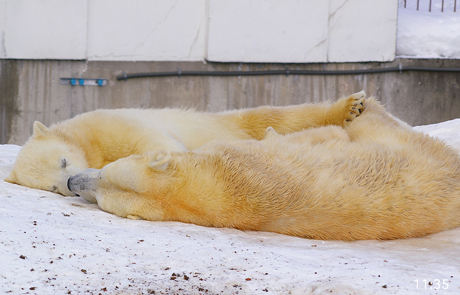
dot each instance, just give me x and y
(425, 34)
(51, 244)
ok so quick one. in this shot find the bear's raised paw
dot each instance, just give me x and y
(355, 104)
(348, 108)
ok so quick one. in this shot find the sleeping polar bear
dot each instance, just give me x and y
(94, 139)
(375, 178)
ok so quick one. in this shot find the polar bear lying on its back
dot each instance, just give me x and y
(95, 139)
(374, 179)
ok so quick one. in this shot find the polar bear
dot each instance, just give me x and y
(376, 178)
(94, 139)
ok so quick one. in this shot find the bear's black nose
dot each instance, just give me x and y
(68, 186)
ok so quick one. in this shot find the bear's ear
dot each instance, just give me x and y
(40, 130)
(159, 160)
(270, 133)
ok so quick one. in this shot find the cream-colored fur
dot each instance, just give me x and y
(94, 139)
(374, 179)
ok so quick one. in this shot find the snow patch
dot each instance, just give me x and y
(425, 34)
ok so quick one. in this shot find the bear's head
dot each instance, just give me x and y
(46, 162)
(127, 186)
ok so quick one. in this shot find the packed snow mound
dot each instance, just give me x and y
(52, 244)
(425, 34)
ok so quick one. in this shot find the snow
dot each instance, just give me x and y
(52, 244)
(425, 34)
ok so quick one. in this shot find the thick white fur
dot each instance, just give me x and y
(374, 179)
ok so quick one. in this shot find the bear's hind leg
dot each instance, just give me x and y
(312, 136)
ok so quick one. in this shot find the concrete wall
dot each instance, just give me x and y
(30, 89)
(198, 30)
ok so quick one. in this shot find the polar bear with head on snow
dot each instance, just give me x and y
(95, 139)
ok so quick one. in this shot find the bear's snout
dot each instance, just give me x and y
(83, 184)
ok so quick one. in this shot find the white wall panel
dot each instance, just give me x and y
(193, 30)
(147, 30)
(268, 31)
(45, 29)
(362, 30)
